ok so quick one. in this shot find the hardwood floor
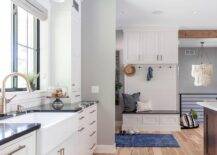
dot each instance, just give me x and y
(190, 141)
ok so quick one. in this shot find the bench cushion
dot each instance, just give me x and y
(153, 112)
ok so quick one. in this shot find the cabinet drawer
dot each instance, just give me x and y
(132, 120)
(92, 143)
(91, 114)
(150, 120)
(82, 118)
(25, 146)
(169, 119)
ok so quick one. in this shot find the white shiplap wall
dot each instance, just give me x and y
(161, 90)
(26, 99)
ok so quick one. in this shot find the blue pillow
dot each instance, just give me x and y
(130, 101)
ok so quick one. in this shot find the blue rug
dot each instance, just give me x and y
(145, 140)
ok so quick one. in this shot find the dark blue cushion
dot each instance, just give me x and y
(130, 101)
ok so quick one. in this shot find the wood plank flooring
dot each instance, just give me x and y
(190, 141)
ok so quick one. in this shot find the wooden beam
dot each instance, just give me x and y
(197, 33)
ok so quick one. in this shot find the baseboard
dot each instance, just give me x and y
(109, 149)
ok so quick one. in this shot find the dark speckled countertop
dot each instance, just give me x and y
(67, 107)
(11, 131)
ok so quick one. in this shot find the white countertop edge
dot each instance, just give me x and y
(209, 105)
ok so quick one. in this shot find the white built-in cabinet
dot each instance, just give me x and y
(66, 47)
(151, 122)
(66, 148)
(87, 131)
(147, 46)
(84, 140)
(25, 145)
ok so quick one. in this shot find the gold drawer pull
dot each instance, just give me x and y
(92, 111)
(93, 146)
(18, 149)
(92, 134)
(62, 151)
(92, 122)
(81, 111)
(81, 129)
(81, 118)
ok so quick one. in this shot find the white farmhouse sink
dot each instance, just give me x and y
(55, 128)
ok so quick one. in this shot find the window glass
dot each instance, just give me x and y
(27, 45)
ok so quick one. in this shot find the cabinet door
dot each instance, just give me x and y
(148, 47)
(83, 141)
(26, 146)
(76, 59)
(168, 46)
(131, 47)
(68, 147)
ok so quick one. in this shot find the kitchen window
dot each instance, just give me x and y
(25, 52)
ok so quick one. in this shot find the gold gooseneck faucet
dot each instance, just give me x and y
(3, 99)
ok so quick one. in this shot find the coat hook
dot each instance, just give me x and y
(140, 67)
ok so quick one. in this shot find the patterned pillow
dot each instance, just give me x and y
(143, 106)
(130, 101)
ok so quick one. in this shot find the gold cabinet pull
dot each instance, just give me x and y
(18, 149)
(81, 129)
(82, 117)
(92, 122)
(93, 146)
(92, 111)
(92, 134)
(62, 151)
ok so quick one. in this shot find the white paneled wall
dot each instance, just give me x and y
(161, 90)
(27, 100)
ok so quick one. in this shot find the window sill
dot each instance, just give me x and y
(25, 92)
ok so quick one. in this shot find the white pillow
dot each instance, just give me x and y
(143, 106)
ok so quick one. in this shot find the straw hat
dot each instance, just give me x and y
(129, 70)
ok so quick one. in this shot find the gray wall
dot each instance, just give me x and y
(98, 62)
(186, 80)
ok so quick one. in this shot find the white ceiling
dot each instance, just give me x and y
(186, 14)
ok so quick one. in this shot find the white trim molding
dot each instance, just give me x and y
(110, 149)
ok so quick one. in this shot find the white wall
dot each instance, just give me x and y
(161, 90)
(45, 48)
(98, 63)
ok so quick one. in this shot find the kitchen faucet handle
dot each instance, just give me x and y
(10, 99)
(20, 108)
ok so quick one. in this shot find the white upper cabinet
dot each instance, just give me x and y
(132, 48)
(168, 46)
(143, 46)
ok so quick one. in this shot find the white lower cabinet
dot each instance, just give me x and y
(65, 148)
(84, 140)
(87, 132)
(151, 122)
(25, 145)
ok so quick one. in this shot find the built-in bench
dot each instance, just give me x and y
(154, 120)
